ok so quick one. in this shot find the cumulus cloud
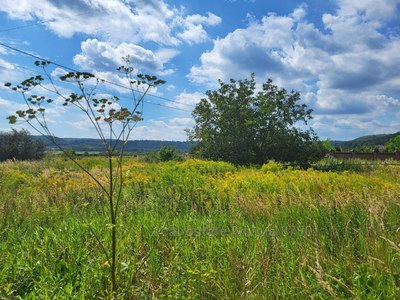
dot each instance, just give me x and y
(347, 67)
(369, 8)
(103, 59)
(114, 82)
(9, 106)
(186, 101)
(167, 129)
(6, 65)
(171, 87)
(257, 48)
(166, 54)
(113, 20)
(104, 56)
(9, 73)
(171, 129)
(194, 31)
(211, 19)
(342, 127)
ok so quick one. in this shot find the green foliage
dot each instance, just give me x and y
(272, 166)
(327, 145)
(113, 124)
(150, 157)
(393, 145)
(237, 124)
(68, 153)
(166, 153)
(19, 145)
(365, 149)
(340, 165)
(200, 230)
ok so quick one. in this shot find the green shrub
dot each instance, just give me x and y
(19, 145)
(167, 153)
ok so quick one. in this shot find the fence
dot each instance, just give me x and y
(366, 156)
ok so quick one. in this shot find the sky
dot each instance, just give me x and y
(343, 56)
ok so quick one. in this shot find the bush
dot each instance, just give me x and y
(166, 153)
(272, 166)
(393, 145)
(19, 145)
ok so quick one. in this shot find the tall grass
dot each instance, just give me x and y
(201, 230)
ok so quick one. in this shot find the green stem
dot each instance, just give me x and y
(113, 228)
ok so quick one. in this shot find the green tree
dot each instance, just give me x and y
(166, 153)
(365, 148)
(112, 122)
(238, 124)
(20, 145)
(393, 144)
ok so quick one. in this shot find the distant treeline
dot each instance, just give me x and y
(368, 140)
(94, 145)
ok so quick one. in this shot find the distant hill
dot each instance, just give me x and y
(368, 140)
(94, 145)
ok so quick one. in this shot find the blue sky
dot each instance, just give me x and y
(343, 56)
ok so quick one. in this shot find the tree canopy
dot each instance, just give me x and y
(239, 124)
(19, 145)
(393, 144)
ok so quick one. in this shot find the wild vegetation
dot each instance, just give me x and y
(393, 144)
(19, 145)
(200, 230)
(112, 123)
(115, 227)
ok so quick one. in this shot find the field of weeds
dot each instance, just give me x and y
(200, 230)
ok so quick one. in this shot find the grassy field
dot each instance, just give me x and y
(200, 230)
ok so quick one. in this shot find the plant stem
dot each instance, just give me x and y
(113, 227)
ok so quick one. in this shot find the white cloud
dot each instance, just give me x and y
(9, 73)
(6, 65)
(193, 34)
(113, 20)
(172, 130)
(344, 128)
(186, 101)
(166, 54)
(193, 27)
(170, 87)
(113, 82)
(10, 107)
(58, 72)
(211, 19)
(349, 67)
(104, 56)
(116, 83)
(258, 48)
(370, 8)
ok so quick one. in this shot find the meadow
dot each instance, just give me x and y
(200, 230)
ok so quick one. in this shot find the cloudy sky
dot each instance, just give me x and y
(342, 55)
